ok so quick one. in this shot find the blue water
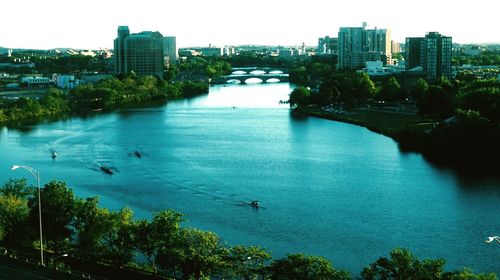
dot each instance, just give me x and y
(327, 188)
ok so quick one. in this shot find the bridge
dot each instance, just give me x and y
(242, 78)
(266, 70)
(242, 74)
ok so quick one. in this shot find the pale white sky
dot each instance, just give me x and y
(91, 24)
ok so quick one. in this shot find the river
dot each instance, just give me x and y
(327, 188)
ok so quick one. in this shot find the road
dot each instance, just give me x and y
(11, 272)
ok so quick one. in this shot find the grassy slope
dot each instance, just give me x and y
(387, 123)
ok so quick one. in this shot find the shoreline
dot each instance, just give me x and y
(411, 133)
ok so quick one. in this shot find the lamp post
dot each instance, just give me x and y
(35, 174)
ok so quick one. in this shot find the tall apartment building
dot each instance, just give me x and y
(378, 44)
(352, 47)
(170, 49)
(141, 53)
(327, 45)
(356, 45)
(432, 52)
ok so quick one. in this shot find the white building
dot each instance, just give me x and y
(286, 52)
(170, 49)
(66, 81)
(36, 81)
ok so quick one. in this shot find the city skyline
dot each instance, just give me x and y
(92, 25)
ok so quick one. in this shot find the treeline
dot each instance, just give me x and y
(103, 95)
(467, 113)
(55, 102)
(129, 90)
(485, 58)
(198, 68)
(81, 228)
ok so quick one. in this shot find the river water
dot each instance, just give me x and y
(327, 188)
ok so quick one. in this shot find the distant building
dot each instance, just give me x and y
(286, 52)
(433, 53)
(141, 53)
(36, 82)
(66, 81)
(414, 54)
(170, 49)
(327, 45)
(378, 45)
(228, 51)
(211, 51)
(395, 47)
(356, 45)
(352, 47)
(472, 50)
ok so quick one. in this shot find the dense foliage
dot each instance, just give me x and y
(130, 90)
(93, 234)
(467, 113)
(103, 95)
(486, 58)
(53, 103)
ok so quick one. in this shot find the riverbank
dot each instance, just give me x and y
(468, 146)
(388, 123)
(104, 96)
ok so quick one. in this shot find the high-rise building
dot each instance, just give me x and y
(352, 47)
(356, 45)
(327, 45)
(378, 44)
(170, 49)
(141, 53)
(395, 47)
(432, 52)
(414, 54)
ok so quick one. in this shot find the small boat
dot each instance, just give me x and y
(255, 203)
(53, 153)
(106, 170)
(137, 154)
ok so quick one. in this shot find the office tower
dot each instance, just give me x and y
(170, 49)
(395, 47)
(352, 47)
(356, 45)
(432, 53)
(141, 53)
(414, 54)
(378, 44)
(327, 45)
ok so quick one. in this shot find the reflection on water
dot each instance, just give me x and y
(328, 188)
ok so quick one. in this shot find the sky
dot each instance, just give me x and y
(92, 24)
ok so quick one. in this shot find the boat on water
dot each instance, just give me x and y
(53, 153)
(106, 170)
(255, 204)
(138, 154)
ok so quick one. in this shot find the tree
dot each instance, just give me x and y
(402, 264)
(391, 90)
(300, 97)
(57, 215)
(13, 220)
(117, 240)
(467, 274)
(299, 266)
(436, 101)
(162, 233)
(201, 254)
(247, 263)
(17, 188)
(418, 88)
(91, 223)
(364, 87)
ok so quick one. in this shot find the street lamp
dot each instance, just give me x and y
(35, 174)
